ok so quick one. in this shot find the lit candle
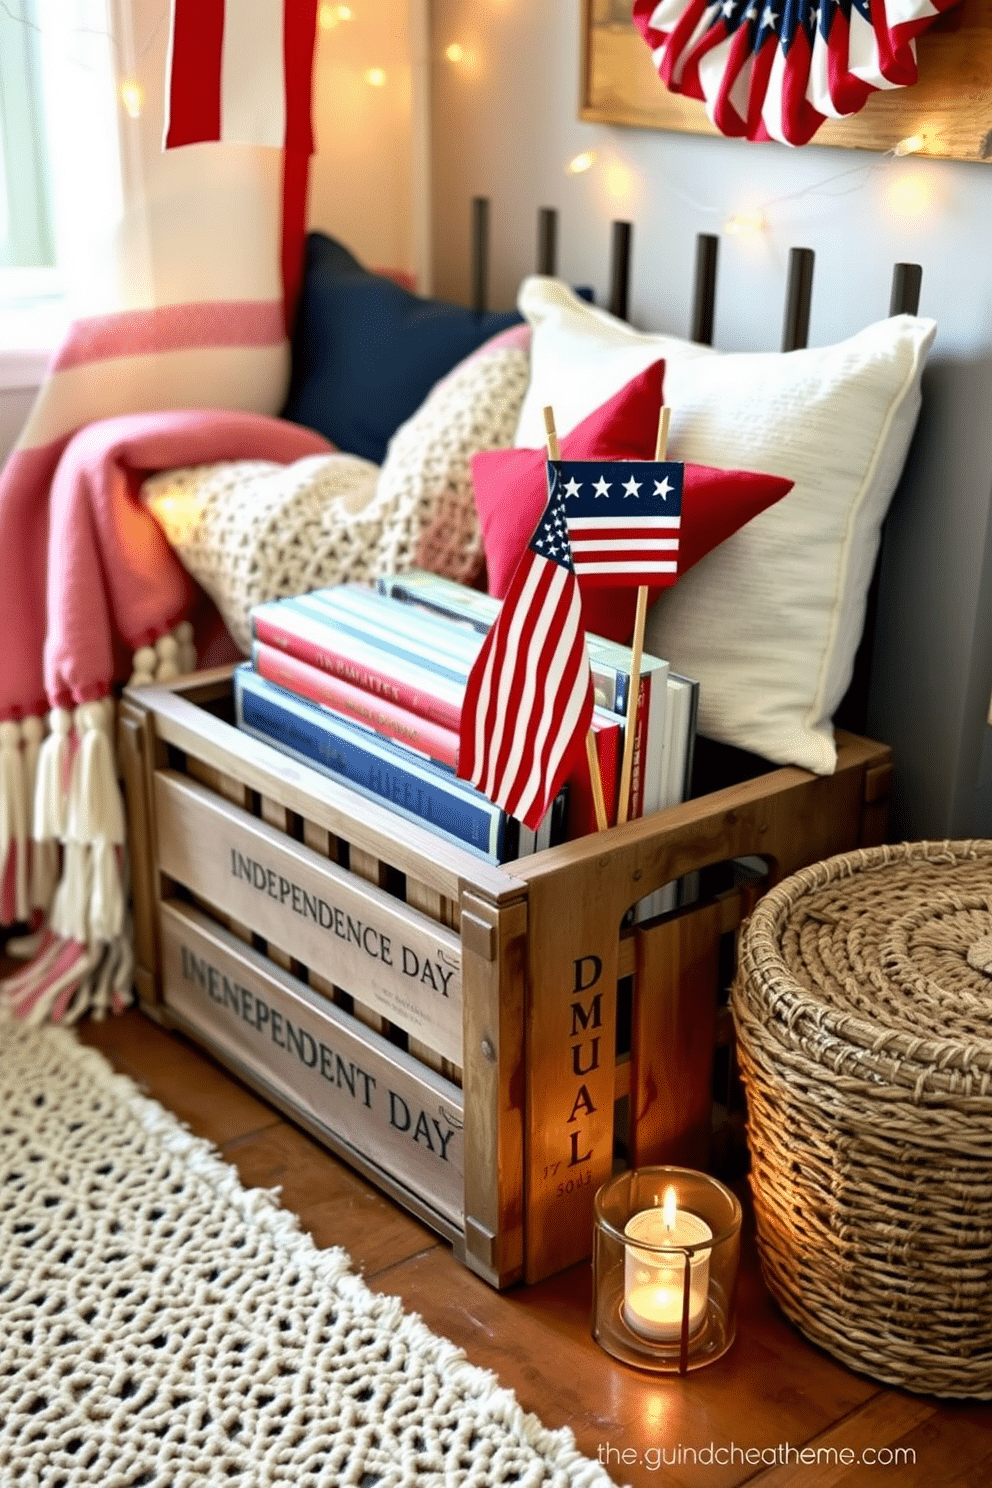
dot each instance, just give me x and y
(654, 1280)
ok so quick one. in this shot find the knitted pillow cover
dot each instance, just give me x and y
(249, 531)
(768, 622)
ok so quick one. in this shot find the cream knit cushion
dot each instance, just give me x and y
(426, 479)
(249, 531)
(768, 622)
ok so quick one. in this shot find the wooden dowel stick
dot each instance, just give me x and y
(597, 782)
(554, 449)
(633, 695)
(637, 650)
(554, 453)
(661, 439)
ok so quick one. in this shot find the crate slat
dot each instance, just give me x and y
(391, 958)
(360, 1087)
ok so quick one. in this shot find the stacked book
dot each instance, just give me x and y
(366, 685)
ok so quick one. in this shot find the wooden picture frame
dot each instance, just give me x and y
(949, 109)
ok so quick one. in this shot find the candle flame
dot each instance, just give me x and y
(668, 1208)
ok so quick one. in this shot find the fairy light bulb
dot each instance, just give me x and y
(744, 222)
(455, 52)
(132, 97)
(580, 163)
(910, 193)
(375, 77)
(911, 145)
(618, 179)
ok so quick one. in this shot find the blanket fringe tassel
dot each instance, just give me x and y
(60, 802)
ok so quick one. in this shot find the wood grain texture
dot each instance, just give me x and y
(135, 739)
(950, 106)
(180, 720)
(397, 962)
(672, 1039)
(495, 973)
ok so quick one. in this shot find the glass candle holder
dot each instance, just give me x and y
(666, 1249)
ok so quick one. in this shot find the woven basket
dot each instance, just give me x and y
(863, 1004)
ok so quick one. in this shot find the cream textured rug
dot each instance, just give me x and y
(162, 1325)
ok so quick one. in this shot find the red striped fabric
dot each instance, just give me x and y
(194, 72)
(298, 48)
(219, 88)
(529, 698)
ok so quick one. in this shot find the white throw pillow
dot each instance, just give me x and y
(770, 621)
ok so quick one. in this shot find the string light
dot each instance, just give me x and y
(910, 193)
(580, 163)
(376, 77)
(454, 52)
(744, 222)
(911, 145)
(132, 97)
(329, 15)
(619, 181)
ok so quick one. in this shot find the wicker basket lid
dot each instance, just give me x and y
(878, 964)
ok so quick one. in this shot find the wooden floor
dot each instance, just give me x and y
(773, 1392)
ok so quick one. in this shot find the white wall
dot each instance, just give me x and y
(505, 124)
(368, 179)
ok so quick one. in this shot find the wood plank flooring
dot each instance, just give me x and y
(742, 1420)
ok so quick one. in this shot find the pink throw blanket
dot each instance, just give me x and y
(86, 580)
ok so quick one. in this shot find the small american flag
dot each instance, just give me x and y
(623, 518)
(529, 698)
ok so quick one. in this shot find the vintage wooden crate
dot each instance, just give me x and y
(483, 1043)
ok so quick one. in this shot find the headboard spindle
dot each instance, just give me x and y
(798, 294)
(547, 241)
(704, 289)
(480, 254)
(620, 269)
(907, 279)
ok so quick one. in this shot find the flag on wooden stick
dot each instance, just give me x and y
(529, 697)
(624, 519)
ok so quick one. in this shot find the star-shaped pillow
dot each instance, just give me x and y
(511, 492)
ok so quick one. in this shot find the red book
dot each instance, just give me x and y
(376, 711)
(296, 628)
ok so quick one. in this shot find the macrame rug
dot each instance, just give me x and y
(161, 1325)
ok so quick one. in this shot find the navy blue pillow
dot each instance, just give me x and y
(366, 352)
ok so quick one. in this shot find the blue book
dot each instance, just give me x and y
(366, 762)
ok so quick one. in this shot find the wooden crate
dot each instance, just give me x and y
(478, 1041)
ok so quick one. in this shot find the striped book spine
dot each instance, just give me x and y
(371, 709)
(395, 674)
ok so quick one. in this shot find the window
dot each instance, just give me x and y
(60, 158)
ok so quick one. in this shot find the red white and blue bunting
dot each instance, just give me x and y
(776, 69)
